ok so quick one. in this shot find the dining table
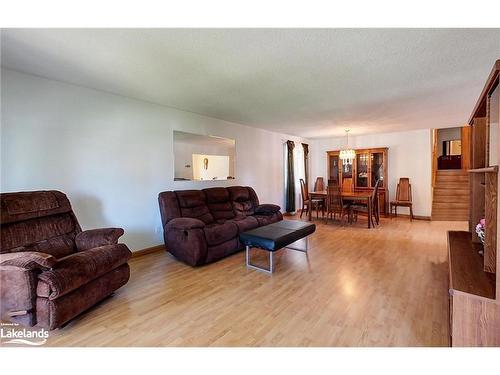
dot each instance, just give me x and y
(365, 196)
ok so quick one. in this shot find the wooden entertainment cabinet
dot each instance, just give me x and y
(369, 166)
(474, 289)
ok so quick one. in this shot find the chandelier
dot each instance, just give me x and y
(347, 154)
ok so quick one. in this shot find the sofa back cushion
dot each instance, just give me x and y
(192, 203)
(169, 206)
(219, 204)
(40, 221)
(244, 199)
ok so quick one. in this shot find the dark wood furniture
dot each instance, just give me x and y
(473, 285)
(355, 196)
(319, 184)
(369, 166)
(403, 197)
(335, 204)
(309, 203)
(375, 209)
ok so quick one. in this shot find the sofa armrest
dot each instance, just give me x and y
(89, 239)
(28, 260)
(185, 239)
(267, 209)
(185, 223)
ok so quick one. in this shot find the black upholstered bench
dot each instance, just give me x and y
(274, 237)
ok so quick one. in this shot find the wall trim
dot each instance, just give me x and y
(148, 250)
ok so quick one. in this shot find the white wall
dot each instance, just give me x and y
(217, 167)
(112, 155)
(409, 156)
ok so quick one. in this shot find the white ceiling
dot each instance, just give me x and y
(305, 82)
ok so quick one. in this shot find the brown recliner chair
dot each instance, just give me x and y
(50, 270)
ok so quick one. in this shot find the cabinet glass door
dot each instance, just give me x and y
(334, 170)
(362, 170)
(346, 170)
(377, 166)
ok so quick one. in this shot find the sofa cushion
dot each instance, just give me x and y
(53, 235)
(27, 205)
(218, 233)
(243, 199)
(219, 204)
(245, 223)
(192, 203)
(80, 268)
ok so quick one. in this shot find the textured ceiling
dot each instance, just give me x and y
(305, 82)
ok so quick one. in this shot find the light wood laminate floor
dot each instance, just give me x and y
(357, 287)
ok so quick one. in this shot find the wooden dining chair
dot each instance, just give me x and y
(307, 203)
(335, 205)
(347, 185)
(319, 184)
(375, 208)
(403, 197)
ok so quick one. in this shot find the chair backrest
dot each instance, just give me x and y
(375, 190)
(40, 221)
(375, 194)
(347, 185)
(403, 192)
(334, 197)
(303, 190)
(319, 184)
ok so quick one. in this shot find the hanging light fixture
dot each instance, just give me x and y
(347, 154)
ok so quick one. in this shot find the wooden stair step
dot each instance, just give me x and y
(442, 191)
(452, 171)
(456, 195)
(447, 205)
(451, 196)
(450, 199)
(450, 213)
(450, 191)
(462, 179)
(448, 218)
(449, 210)
(450, 185)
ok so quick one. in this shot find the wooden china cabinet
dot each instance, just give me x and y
(369, 166)
(474, 286)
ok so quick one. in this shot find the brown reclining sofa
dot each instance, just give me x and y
(202, 226)
(50, 270)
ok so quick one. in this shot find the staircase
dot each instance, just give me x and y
(451, 195)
